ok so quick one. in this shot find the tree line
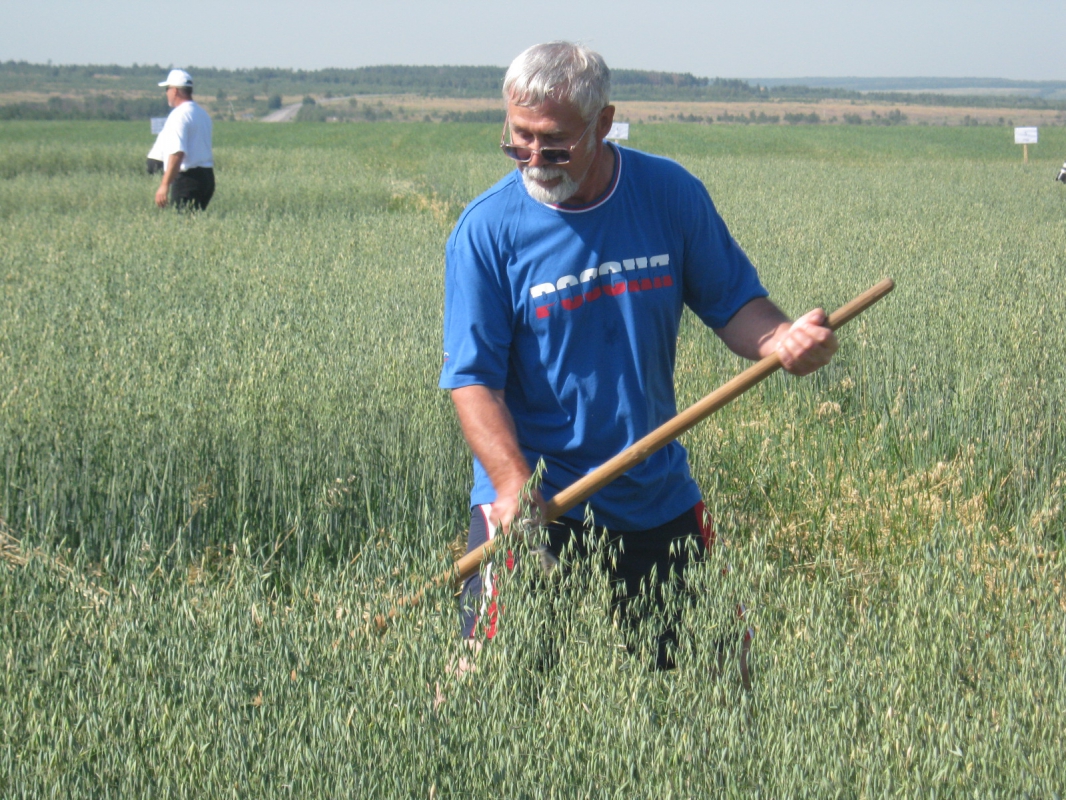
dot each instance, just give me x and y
(99, 106)
(432, 81)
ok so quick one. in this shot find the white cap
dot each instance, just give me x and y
(178, 77)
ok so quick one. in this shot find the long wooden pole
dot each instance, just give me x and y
(584, 488)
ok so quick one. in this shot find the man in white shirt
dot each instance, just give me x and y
(184, 146)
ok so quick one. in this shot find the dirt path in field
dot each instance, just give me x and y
(288, 113)
(283, 114)
(835, 111)
(408, 106)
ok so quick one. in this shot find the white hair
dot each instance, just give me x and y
(562, 71)
(559, 193)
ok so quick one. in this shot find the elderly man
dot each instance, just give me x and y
(184, 147)
(564, 288)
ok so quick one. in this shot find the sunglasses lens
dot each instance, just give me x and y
(550, 155)
(555, 155)
(517, 153)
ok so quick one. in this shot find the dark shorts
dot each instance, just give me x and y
(193, 188)
(154, 165)
(629, 558)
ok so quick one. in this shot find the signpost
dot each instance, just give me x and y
(157, 124)
(1025, 137)
(619, 130)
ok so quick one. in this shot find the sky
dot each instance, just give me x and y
(1018, 39)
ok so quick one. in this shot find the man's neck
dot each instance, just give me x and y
(598, 178)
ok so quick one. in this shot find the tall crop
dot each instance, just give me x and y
(222, 451)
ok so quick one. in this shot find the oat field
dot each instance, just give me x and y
(223, 451)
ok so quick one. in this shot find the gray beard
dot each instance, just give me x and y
(559, 193)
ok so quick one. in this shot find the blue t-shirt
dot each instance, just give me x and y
(574, 312)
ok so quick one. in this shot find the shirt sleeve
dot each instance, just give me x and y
(478, 311)
(719, 277)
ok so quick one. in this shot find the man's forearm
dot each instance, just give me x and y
(490, 432)
(754, 331)
(760, 328)
(173, 167)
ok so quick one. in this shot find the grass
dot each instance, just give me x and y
(223, 451)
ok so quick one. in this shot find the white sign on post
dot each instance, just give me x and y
(1025, 135)
(619, 130)
(157, 124)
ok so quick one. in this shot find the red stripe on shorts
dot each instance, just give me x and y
(706, 524)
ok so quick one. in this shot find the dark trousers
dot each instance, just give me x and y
(193, 188)
(630, 559)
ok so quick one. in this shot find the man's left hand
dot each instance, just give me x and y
(161, 196)
(808, 344)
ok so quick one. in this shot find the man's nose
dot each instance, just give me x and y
(536, 159)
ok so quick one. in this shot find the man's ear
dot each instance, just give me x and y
(604, 123)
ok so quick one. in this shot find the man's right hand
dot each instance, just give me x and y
(489, 430)
(170, 171)
(508, 506)
(504, 508)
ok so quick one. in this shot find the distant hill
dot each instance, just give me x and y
(47, 91)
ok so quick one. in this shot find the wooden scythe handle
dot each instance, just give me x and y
(584, 488)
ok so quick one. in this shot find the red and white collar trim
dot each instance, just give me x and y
(603, 198)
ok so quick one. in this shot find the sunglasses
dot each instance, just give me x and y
(550, 155)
